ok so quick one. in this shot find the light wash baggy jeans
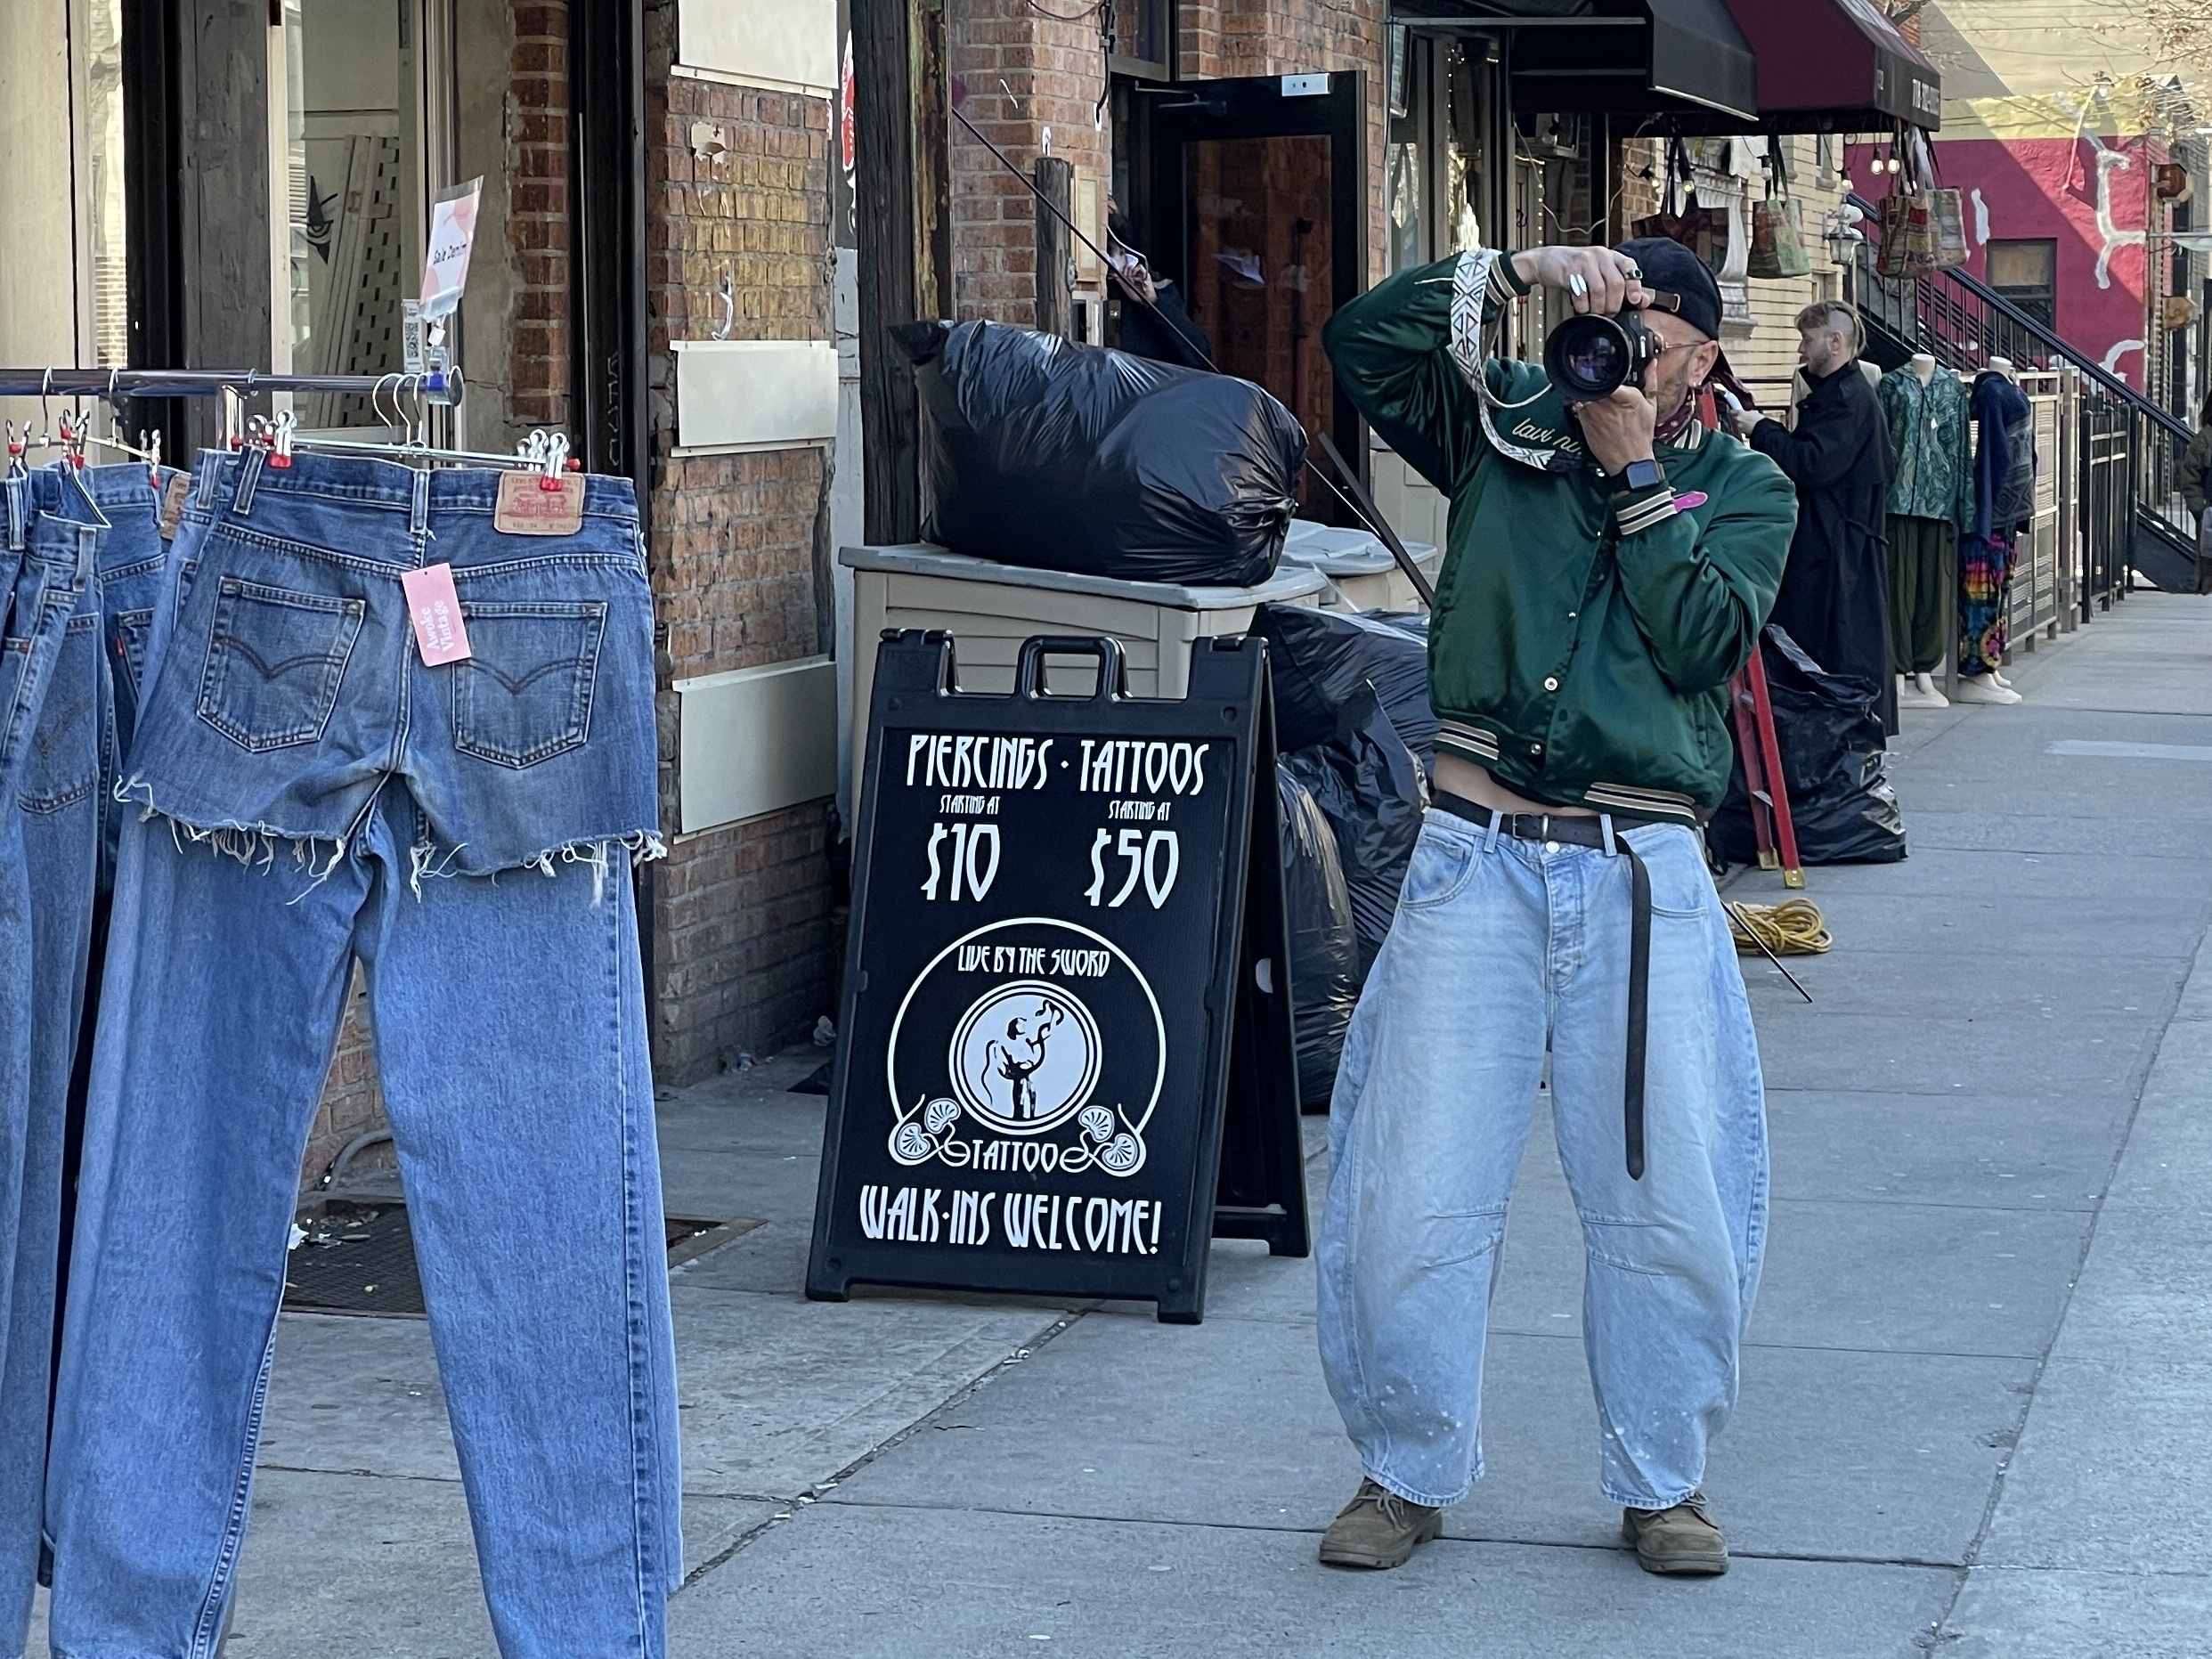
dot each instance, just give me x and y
(1502, 948)
(314, 793)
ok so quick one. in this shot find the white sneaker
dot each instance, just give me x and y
(1978, 690)
(1996, 678)
(1909, 695)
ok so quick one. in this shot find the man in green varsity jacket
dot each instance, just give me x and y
(1609, 566)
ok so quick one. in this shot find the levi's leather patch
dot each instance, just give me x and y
(532, 504)
(173, 495)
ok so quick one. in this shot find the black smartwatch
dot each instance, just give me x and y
(1638, 474)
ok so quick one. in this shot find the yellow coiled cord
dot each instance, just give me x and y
(1792, 928)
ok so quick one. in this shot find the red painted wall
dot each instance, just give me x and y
(2049, 187)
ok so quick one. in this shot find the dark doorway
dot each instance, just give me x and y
(1257, 205)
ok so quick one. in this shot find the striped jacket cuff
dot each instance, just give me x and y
(1505, 282)
(1642, 509)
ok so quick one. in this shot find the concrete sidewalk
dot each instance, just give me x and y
(1985, 1330)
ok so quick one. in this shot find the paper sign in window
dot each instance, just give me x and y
(452, 232)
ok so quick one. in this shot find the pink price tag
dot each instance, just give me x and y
(435, 608)
(1687, 500)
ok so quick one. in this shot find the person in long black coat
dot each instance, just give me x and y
(1835, 589)
(1155, 323)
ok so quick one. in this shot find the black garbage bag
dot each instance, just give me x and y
(1373, 793)
(1324, 953)
(1077, 458)
(1829, 727)
(1318, 659)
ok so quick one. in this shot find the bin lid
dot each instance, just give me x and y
(923, 558)
(1340, 552)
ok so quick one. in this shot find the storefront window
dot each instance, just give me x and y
(1467, 157)
(352, 173)
(1437, 170)
(1403, 179)
(110, 291)
(1142, 36)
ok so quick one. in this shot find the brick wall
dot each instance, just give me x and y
(738, 185)
(352, 1102)
(538, 217)
(1016, 73)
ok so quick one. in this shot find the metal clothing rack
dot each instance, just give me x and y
(113, 386)
(438, 386)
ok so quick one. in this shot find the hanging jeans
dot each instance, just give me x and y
(49, 778)
(311, 793)
(1502, 948)
(102, 519)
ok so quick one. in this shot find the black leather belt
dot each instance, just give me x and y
(1576, 830)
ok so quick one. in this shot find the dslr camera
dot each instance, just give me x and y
(1588, 358)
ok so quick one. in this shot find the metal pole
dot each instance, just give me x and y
(442, 384)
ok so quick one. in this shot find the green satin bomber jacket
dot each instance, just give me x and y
(1582, 641)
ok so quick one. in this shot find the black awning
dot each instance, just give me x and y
(1684, 58)
(1837, 66)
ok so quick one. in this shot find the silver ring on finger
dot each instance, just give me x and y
(1577, 286)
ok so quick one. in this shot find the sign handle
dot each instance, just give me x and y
(1113, 677)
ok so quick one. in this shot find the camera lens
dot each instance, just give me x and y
(1594, 361)
(1588, 358)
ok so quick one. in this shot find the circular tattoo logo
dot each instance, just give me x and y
(1035, 1031)
(1025, 1057)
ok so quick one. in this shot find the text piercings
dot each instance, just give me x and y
(944, 761)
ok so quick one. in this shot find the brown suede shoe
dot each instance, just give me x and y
(1681, 1542)
(1378, 1529)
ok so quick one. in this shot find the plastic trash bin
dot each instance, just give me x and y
(1361, 575)
(990, 609)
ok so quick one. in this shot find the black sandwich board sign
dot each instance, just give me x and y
(1065, 1058)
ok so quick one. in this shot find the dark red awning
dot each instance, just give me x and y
(1837, 66)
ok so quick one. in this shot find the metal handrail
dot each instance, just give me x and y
(2102, 377)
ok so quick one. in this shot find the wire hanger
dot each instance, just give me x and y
(542, 452)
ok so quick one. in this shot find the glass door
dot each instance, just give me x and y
(1258, 209)
(358, 155)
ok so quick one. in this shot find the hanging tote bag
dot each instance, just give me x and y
(1947, 210)
(1672, 224)
(1908, 245)
(1907, 248)
(1777, 245)
(1947, 219)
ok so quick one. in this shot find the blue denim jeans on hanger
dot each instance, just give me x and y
(1502, 948)
(68, 820)
(51, 718)
(314, 794)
